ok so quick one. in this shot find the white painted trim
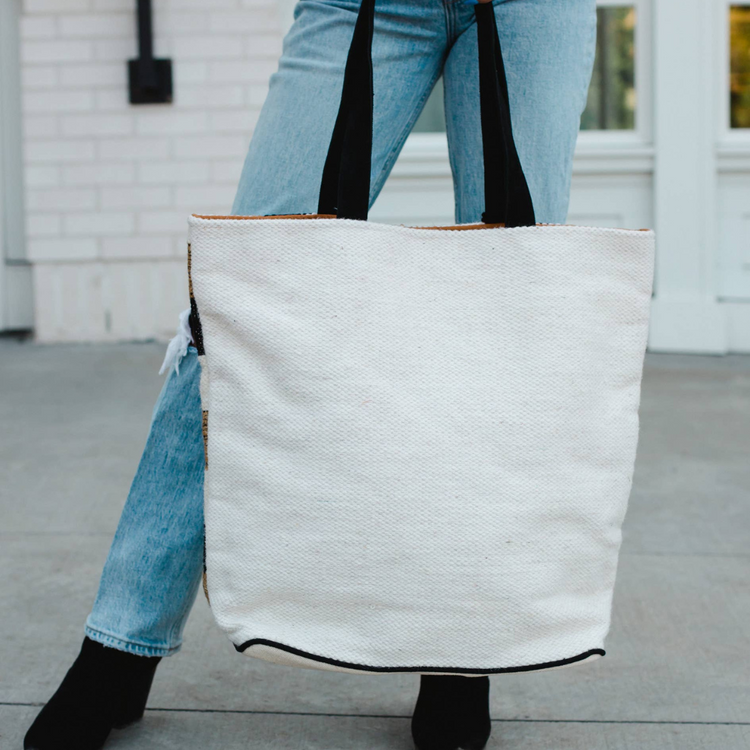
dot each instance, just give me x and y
(733, 158)
(638, 160)
(3, 191)
(3, 275)
(686, 315)
(690, 326)
(611, 139)
(738, 326)
(725, 136)
(19, 297)
(644, 88)
(16, 310)
(426, 155)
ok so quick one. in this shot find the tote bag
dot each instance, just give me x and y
(419, 441)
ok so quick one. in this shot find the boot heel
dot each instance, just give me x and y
(133, 703)
(477, 743)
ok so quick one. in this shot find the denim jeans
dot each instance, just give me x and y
(154, 567)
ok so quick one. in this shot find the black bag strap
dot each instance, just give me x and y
(345, 188)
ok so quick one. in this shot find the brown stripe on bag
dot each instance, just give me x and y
(448, 228)
(205, 438)
(190, 276)
(272, 216)
(330, 216)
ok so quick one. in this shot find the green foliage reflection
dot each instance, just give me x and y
(739, 66)
(611, 101)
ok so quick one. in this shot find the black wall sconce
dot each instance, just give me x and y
(150, 79)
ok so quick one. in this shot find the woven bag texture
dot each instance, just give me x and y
(420, 443)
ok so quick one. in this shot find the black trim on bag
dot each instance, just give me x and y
(194, 320)
(447, 670)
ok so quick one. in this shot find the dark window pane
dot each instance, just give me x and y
(611, 102)
(739, 66)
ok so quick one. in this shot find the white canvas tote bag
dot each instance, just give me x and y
(419, 441)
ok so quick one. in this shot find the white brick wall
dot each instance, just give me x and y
(109, 185)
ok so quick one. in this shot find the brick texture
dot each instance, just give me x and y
(106, 182)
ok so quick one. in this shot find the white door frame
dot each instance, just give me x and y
(686, 314)
(3, 243)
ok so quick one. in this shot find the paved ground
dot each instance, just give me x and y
(677, 675)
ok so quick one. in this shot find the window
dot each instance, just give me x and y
(739, 66)
(611, 102)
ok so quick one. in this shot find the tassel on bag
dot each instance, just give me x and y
(178, 345)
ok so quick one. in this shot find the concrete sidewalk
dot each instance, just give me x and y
(677, 673)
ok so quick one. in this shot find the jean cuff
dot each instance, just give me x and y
(129, 647)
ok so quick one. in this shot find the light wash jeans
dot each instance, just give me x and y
(154, 567)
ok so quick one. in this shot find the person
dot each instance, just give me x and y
(152, 574)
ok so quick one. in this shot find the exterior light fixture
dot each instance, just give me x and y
(150, 79)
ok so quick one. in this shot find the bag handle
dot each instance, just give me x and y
(345, 187)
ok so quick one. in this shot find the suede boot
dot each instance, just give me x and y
(452, 712)
(104, 689)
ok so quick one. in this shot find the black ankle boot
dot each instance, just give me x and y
(452, 712)
(104, 689)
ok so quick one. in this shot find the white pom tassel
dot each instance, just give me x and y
(178, 346)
